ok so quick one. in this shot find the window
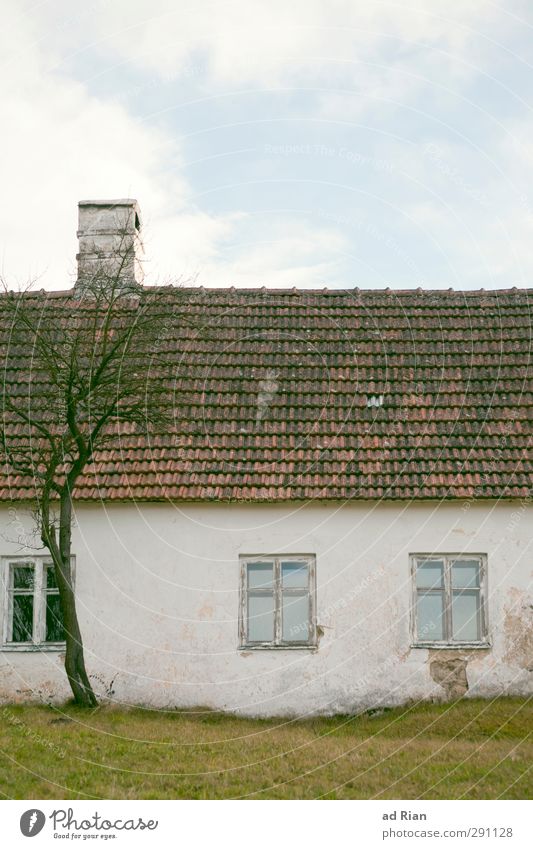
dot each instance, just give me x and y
(278, 601)
(32, 615)
(448, 599)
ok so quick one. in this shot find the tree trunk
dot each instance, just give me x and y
(74, 659)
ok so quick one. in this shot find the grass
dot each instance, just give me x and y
(472, 749)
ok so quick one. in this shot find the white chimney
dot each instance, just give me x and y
(110, 243)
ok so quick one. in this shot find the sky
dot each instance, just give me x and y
(309, 143)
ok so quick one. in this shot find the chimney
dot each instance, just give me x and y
(110, 244)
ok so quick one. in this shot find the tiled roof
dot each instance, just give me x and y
(293, 394)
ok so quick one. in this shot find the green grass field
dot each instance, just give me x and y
(472, 749)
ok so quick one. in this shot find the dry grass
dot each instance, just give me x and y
(473, 749)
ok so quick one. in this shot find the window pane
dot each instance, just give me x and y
(260, 575)
(465, 573)
(295, 617)
(260, 618)
(23, 577)
(430, 619)
(22, 619)
(465, 615)
(54, 625)
(430, 573)
(51, 583)
(294, 573)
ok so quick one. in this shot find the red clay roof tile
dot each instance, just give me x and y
(330, 395)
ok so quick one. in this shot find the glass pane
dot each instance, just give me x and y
(294, 573)
(22, 619)
(51, 583)
(260, 575)
(261, 618)
(465, 573)
(23, 577)
(465, 616)
(295, 617)
(54, 625)
(430, 619)
(430, 573)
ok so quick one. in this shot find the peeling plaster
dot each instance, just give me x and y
(448, 669)
(518, 630)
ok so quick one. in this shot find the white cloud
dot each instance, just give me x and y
(383, 52)
(267, 43)
(290, 253)
(63, 145)
(60, 145)
(280, 252)
(475, 212)
(182, 246)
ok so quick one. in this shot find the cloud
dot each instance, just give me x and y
(471, 209)
(64, 144)
(59, 145)
(66, 139)
(243, 41)
(290, 253)
(351, 57)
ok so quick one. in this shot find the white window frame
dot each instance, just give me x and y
(38, 642)
(277, 642)
(448, 642)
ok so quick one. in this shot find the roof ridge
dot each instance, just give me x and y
(318, 291)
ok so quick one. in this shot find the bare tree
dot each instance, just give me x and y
(79, 370)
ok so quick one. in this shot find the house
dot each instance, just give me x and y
(344, 520)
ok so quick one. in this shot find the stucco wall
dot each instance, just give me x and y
(158, 600)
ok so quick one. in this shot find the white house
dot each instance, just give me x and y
(345, 520)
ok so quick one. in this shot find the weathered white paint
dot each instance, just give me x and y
(109, 240)
(158, 601)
